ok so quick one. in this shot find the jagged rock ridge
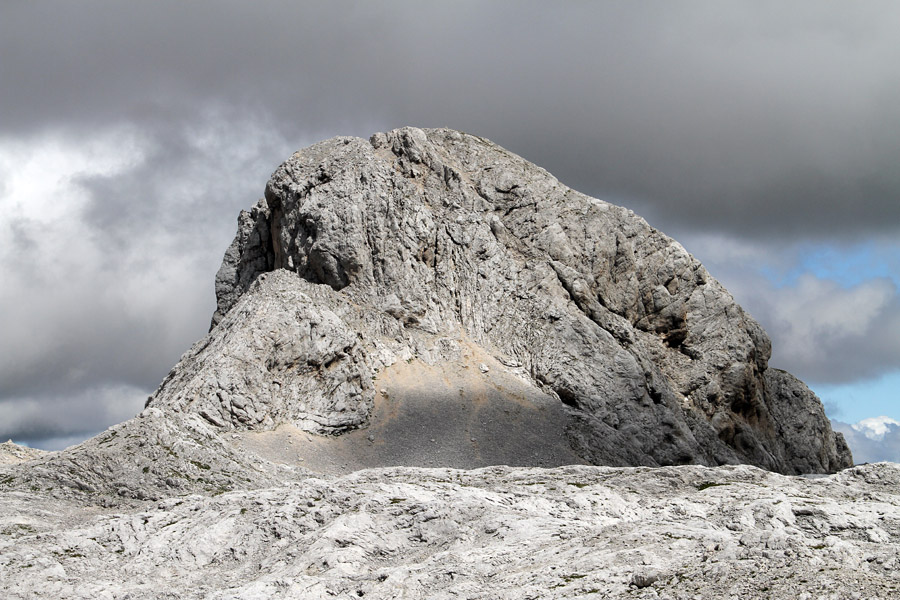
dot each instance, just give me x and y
(434, 238)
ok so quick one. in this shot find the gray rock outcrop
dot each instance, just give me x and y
(427, 298)
(435, 236)
(282, 355)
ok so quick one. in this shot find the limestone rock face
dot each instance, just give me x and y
(281, 355)
(434, 236)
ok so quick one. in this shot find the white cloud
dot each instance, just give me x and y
(821, 330)
(875, 428)
(109, 243)
(816, 317)
(872, 440)
(37, 174)
(50, 262)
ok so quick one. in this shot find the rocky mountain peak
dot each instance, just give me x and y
(433, 241)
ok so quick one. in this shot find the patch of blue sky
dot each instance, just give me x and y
(849, 266)
(853, 402)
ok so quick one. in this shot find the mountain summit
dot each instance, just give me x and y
(426, 278)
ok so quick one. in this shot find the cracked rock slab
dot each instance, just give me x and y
(498, 532)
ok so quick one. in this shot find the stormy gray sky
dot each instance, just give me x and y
(765, 136)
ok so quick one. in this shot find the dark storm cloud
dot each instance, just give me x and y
(192, 181)
(54, 421)
(767, 121)
(759, 118)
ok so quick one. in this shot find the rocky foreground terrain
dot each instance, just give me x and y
(435, 371)
(497, 532)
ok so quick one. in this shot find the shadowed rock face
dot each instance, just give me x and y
(428, 241)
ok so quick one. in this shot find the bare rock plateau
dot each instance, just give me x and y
(434, 371)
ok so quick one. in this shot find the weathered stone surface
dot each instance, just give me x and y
(445, 232)
(150, 457)
(247, 256)
(11, 453)
(280, 356)
(500, 532)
